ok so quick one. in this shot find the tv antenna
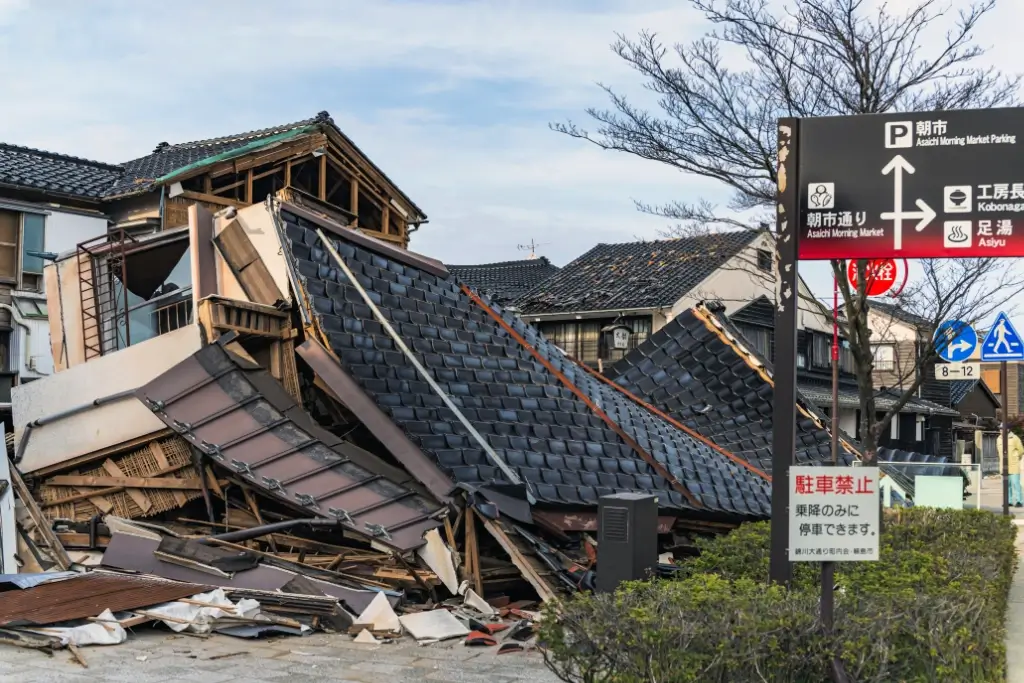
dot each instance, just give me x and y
(532, 248)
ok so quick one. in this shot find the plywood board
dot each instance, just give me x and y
(102, 426)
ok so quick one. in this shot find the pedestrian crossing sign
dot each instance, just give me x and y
(1002, 342)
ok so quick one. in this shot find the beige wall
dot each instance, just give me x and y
(902, 337)
(259, 227)
(65, 308)
(739, 282)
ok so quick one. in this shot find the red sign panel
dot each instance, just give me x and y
(916, 185)
(880, 275)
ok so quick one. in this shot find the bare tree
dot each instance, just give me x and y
(812, 58)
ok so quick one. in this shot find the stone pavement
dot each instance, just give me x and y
(156, 656)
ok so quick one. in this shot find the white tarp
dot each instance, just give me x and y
(200, 618)
(104, 631)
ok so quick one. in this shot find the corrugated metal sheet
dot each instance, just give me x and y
(86, 596)
(242, 418)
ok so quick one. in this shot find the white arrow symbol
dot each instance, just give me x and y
(961, 345)
(925, 216)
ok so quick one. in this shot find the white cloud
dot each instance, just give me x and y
(109, 79)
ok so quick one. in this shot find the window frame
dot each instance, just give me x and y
(18, 280)
(879, 364)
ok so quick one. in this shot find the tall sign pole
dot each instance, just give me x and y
(1003, 381)
(787, 232)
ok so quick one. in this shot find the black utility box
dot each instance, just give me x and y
(627, 538)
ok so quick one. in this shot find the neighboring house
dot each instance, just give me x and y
(916, 428)
(991, 375)
(640, 286)
(975, 431)
(505, 281)
(132, 281)
(902, 338)
(31, 226)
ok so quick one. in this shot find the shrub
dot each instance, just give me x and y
(932, 609)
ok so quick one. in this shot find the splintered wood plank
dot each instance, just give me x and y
(289, 370)
(533, 574)
(161, 459)
(43, 526)
(140, 498)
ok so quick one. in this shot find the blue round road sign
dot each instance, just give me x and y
(955, 341)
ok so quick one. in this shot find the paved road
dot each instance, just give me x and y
(152, 656)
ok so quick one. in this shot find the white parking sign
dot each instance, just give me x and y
(833, 514)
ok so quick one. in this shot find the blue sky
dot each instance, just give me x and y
(452, 99)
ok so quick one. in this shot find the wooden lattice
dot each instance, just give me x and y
(168, 457)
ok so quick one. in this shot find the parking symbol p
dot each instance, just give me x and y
(899, 134)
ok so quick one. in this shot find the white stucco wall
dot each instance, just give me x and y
(64, 231)
(848, 421)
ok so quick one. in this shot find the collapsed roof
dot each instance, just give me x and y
(698, 369)
(484, 397)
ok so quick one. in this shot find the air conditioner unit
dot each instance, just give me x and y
(627, 539)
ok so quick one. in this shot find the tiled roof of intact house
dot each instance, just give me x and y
(898, 313)
(534, 425)
(505, 281)
(634, 274)
(55, 173)
(696, 370)
(885, 400)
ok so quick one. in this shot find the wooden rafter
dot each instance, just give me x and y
(222, 190)
(322, 185)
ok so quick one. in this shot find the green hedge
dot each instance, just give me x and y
(931, 610)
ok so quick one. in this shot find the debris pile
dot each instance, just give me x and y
(339, 437)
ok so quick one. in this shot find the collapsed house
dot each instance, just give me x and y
(337, 428)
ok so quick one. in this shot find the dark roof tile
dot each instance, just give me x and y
(56, 173)
(634, 274)
(505, 281)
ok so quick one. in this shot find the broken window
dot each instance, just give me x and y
(149, 295)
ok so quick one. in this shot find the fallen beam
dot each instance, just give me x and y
(133, 482)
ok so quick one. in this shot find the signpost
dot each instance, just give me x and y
(931, 184)
(955, 341)
(1003, 343)
(890, 186)
(833, 516)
